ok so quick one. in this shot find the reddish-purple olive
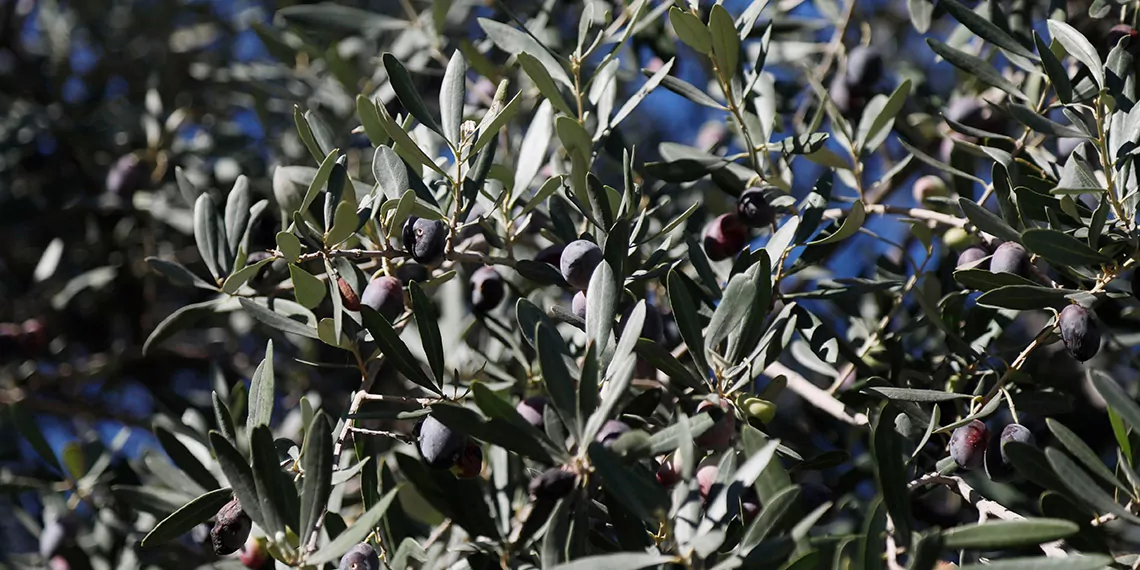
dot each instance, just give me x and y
(723, 431)
(968, 444)
(724, 237)
(707, 471)
(469, 463)
(669, 472)
(254, 554)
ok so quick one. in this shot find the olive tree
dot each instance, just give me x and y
(505, 324)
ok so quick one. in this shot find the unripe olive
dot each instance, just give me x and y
(578, 261)
(959, 239)
(968, 444)
(1079, 332)
(386, 296)
(762, 410)
(360, 557)
(929, 186)
(1010, 257)
(724, 237)
(231, 528)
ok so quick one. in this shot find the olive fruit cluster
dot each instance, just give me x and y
(728, 233)
(971, 447)
(1009, 257)
(444, 448)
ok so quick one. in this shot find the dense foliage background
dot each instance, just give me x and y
(309, 257)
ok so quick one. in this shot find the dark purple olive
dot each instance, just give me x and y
(439, 445)
(610, 432)
(487, 289)
(652, 326)
(753, 209)
(424, 239)
(578, 304)
(386, 296)
(578, 261)
(127, 175)
(1010, 257)
(553, 484)
(231, 528)
(864, 67)
(1079, 332)
(360, 557)
(971, 255)
(412, 271)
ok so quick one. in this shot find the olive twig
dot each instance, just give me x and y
(983, 505)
